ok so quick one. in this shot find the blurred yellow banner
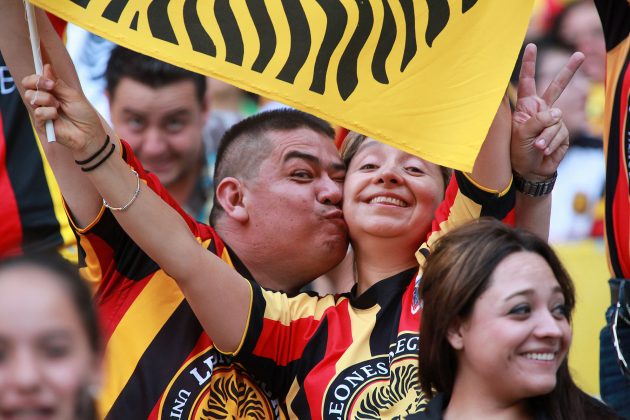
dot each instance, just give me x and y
(424, 76)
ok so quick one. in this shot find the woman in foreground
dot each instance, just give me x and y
(496, 329)
(49, 343)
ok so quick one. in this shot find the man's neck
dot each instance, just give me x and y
(182, 189)
(268, 274)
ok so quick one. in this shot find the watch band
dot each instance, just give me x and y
(534, 189)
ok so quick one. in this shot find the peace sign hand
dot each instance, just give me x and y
(539, 137)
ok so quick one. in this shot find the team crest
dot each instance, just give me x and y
(383, 387)
(210, 386)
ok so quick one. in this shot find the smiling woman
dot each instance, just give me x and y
(496, 328)
(49, 342)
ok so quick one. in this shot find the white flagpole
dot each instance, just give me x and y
(37, 57)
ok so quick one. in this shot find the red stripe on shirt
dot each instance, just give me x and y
(316, 382)
(276, 332)
(621, 200)
(11, 226)
(117, 294)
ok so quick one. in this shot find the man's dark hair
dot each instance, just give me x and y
(244, 146)
(148, 71)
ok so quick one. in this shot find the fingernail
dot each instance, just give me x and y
(555, 113)
(547, 151)
(540, 142)
(48, 84)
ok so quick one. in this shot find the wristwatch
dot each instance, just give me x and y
(534, 189)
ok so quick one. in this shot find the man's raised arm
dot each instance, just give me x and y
(218, 295)
(80, 195)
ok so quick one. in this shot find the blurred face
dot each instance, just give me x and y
(572, 102)
(163, 126)
(45, 357)
(518, 333)
(296, 198)
(582, 29)
(389, 193)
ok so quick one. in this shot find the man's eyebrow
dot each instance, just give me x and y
(177, 112)
(295, 154)
(133, 112)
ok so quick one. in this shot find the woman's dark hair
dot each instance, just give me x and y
(353, 141)
(71, 281)
(456, 273)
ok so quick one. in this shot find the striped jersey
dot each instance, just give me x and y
(32, 218)
(349, 356)
(615, 17)
(159, 364)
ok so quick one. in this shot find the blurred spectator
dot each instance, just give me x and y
(581, 174)
(578, 26)
(161, 110)
(50, 349)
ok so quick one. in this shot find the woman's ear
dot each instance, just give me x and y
(229, 193)
(455, 336)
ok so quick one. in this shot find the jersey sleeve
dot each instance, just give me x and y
(615, 17)
(465, 200)
(109, 259)
(278, 331)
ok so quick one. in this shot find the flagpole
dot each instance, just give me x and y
(37, 57)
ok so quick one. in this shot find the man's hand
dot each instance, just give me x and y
(539, 137)
(77, 124)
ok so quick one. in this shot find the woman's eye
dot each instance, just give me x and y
(414, 170)
(561, 311)
(56, 351)
(520, 310)
(367, 166)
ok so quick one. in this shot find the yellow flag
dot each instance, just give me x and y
(424, 76)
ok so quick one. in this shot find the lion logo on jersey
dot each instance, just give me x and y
(384, 387)
(210, 386)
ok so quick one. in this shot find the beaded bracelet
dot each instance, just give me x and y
(133, 197)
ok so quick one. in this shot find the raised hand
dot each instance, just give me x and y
(77, 124)
(539, 137)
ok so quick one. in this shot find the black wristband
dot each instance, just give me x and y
(91, 158)
(534, 189)
(97, 164)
